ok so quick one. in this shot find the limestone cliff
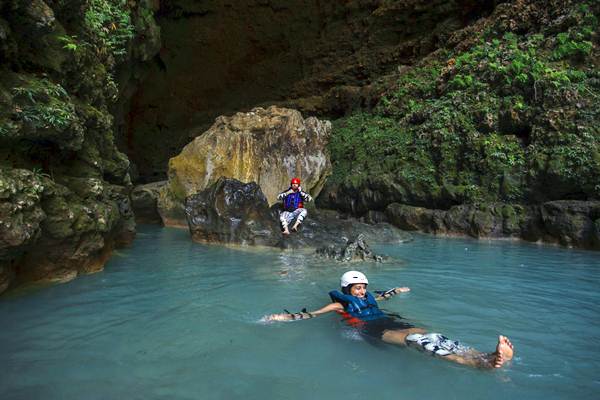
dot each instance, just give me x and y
(64, 201)
(506, 112)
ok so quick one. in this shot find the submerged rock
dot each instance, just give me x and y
(230, 211)
(356, 250)
(266, 146)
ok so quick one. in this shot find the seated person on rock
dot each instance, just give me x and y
(293, 206)
(360, 310)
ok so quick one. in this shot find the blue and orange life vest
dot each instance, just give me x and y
(293, 201)
(356, 310)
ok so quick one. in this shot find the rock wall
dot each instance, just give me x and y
(64, 186)
(320, 57)
(568, 223)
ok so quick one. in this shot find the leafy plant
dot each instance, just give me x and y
(44, 104)
(69, 43)
(109, 24)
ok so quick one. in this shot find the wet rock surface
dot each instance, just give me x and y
(51, 232)
(144, 200)
(354, 250)
(237, 213)
(231, 212)
(569, 223)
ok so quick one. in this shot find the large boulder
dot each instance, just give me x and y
(52, 232)
(572, 222)
(266, 146)
(231, 212)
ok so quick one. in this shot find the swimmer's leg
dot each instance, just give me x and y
(398, 337)
(473, 358)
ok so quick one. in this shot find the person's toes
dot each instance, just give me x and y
(499, 360)
(505, 348)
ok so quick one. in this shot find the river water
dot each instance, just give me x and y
(172, 319)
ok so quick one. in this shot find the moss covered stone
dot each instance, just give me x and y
(59, 85)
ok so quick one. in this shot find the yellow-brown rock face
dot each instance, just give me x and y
(268, 147)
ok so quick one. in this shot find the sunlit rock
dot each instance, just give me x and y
(266, 146)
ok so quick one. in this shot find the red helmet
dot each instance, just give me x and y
(295, 181)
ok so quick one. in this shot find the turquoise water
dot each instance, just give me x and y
(170, 319)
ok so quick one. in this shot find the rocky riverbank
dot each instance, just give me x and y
(569, 223)
(233, 212)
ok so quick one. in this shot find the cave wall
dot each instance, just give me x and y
(321, 57)
(65, 66)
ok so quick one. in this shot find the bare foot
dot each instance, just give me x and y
(286, 232)
(504, 351)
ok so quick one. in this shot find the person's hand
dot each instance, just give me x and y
(402, 289)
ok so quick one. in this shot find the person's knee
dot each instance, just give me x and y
(302, 214)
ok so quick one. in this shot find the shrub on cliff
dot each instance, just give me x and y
(513, 117)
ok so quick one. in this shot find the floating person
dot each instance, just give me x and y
(293, 206)
(359, 309)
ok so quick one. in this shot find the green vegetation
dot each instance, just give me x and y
(514, 118)
(69, 43)
(43, 104)
(109, 25)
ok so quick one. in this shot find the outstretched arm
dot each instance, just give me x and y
(384, 295)
(304, 314)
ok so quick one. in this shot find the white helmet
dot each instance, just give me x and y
(352, 277)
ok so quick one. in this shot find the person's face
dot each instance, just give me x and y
(295, 186)
(358, 290)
